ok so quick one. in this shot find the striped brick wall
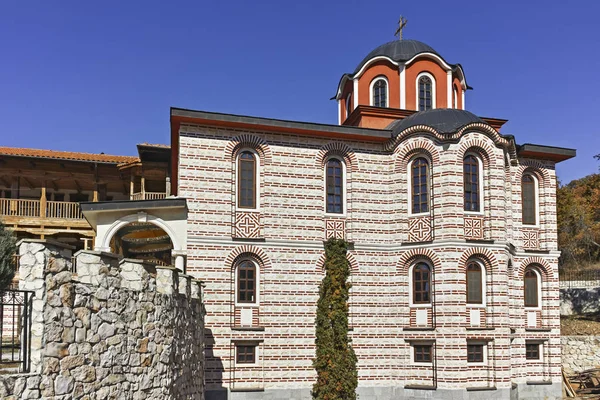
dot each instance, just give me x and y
(289, 253)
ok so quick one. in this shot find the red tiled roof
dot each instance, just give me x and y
(65, 155)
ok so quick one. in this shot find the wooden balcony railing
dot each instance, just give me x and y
(148, 196)
(63, 209)
(32, 208)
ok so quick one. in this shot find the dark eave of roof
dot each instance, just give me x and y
(270, 124)
(542, 152)
(176, 202)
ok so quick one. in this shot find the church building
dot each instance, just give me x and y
(452, 232)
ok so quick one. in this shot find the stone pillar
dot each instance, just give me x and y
(38, 258)
(167, 280)
(92, 265)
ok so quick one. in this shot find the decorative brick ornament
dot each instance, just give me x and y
(473, 228)
(531, 239)
(335, 228)
(247, 225)
(419, 229)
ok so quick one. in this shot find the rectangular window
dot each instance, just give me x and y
(528, 200)
(475, 352)
(532, 351)
(245, 353)
(423, 353)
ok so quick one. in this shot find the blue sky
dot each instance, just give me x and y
(101, 76)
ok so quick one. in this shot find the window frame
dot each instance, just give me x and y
(348, 105)
(536, 201)
(483, 284)
(256, 302)
(413, 352)
(257, 171)
(455, 96)
(540, 352)
(255, 346)
(344, 186)
(411, 186)
(411, 283)
(372, 91)
(433, 90)
(480, 181)
(538, 277)
(484, 352)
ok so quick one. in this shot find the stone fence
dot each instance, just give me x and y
(112, 329)
(580, 353)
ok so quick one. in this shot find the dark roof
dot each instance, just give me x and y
(443, 120)
(398, 50)
(215, 118)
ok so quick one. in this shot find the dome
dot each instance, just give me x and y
(443, 120)
(397, 50)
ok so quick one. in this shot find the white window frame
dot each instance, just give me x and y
(348, 104)
(455, 96)
(423, 343)
(536, 194)
(256, 362)
(256, 183)
(411, 302)
(433, 90)
(485, 352)
(387, 90)
(410, 186)
(480, 171)
(483, 285)
(539, 288)
(256, 304)
(344, 187)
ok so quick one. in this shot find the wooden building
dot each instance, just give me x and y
(40, 190)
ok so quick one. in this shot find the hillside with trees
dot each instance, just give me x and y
(578, 209)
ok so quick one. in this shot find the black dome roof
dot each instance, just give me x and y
(398, 50)
(443, 120)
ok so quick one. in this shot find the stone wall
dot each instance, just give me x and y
(115, 329)
(580, 353)
(580, 300)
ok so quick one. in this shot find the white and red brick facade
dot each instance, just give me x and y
(285, 235)
(382, 132)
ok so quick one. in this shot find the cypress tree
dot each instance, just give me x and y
(335, 360)
(8, 249)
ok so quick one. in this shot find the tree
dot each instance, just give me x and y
(335, 360)
(578, 215)
(8, 249)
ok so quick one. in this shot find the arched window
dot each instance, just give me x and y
(455, 97)
(531, 287)
(379, 91)
(472, 189)
(246, 282)
(247, 179)
(420, 185)
(421, 281)
(334, 186)
(425, 93)
(348, 104)
(475, 283)
(528, 199)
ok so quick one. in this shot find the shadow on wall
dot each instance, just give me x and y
(214, 370)
(579, 301)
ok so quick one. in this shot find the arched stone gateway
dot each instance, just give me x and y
(154, 231)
